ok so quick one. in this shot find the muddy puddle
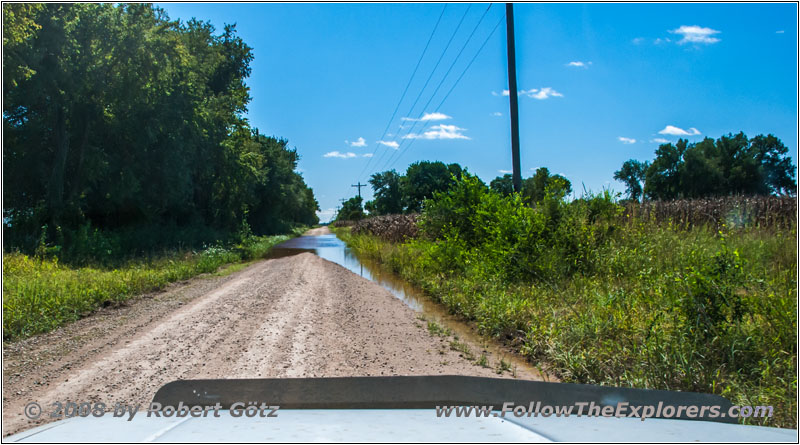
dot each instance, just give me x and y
(331, 248)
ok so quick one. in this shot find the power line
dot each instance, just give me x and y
(452, 36)
(397, 107)
(438, 107)
(436, 90)
(470, 62)
(441, 82)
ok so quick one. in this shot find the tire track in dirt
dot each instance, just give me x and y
(294, 316)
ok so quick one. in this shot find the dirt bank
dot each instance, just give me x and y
(289, 317)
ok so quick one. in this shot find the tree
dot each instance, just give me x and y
(632, 174)
(351, 210)
(503, 185)
(117, 118)
(423, 179)
(733, 164)
(535, 188)
(662, 180)
(388, 196)
(777, 171)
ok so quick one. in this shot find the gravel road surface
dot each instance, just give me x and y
(296, 316)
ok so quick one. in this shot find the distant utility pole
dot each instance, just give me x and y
(513, 97)
(359, 185)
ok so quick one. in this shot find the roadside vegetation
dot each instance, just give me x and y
(128, 162)
(124, 133)
(41, 294)
(606, 297)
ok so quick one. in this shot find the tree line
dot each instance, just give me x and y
(396, 193)
(730, 165)
(118, 119)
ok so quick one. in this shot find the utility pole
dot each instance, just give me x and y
(359, 185)
(513, 97)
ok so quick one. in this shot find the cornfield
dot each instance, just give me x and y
(343, 223)
(732, 211)
(394, 228)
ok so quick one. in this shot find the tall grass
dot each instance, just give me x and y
(627, 304)
(41, 294)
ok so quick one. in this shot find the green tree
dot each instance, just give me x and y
(662, 180)
(733, 164)
(777, 171)
(535, 188)
(351, 210)
(117, 118)
(388, 196)
(632, 174)
(423, 179)
(503, 185)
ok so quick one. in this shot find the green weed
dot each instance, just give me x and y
(41, 294)
(641, 304)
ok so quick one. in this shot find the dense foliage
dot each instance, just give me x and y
(601, 298)
(351, 210)
(732, 164)
(124, 130)
(41, 294)
(395, 193)
(535, 188)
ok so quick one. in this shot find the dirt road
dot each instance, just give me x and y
(296, 316)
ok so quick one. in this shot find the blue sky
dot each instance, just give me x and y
(600, 83)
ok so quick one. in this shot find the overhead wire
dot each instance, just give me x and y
(397, 107)
(392, 159)
(422, 90)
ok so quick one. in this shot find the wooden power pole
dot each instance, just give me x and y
(513, 97)
(359, 185)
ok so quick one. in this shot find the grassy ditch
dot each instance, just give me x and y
(41, 294)
(642, 305)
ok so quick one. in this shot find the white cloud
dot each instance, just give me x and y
(541, 94)
(535, 93)
(505, 171)
(625, 140)
(392, 144)
(696, 34)
(336, 154)
(579, 64)
(497, 113)
(359, 143)
(439, 132)
(638, 40)
(367, 155)
(436, 116)
(675, 131)
(660, 140)
(659, 40)
(779, 32)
